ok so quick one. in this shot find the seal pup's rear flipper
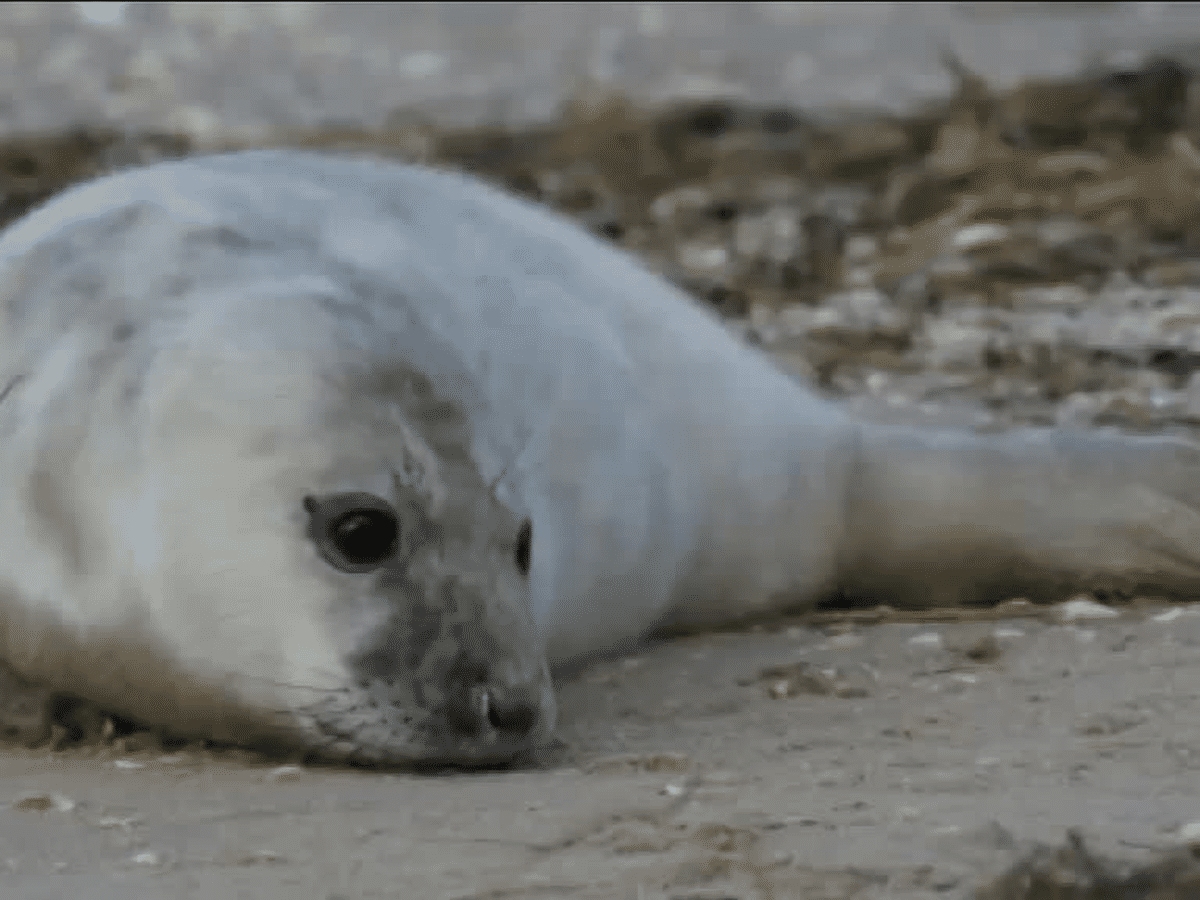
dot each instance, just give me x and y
(943, 518)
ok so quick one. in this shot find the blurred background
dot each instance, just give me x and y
(231, 67)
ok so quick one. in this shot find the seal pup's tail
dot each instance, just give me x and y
(943, 518)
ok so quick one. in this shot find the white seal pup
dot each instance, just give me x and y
(344, 454)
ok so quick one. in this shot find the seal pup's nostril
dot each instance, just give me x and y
(513, 712)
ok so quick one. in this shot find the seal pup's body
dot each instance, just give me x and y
(206, 364)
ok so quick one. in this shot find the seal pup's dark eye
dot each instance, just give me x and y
(364, 536)
(354, 532)
(523, 550)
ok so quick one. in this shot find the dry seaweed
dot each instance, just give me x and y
(1073, 872)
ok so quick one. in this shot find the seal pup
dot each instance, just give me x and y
(344, 454)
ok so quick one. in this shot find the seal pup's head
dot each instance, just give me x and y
(244, 515)
(325, 499)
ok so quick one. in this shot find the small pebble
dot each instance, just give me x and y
(1004, 632)
(979, 235)
(986, 649)
(1015, 605)
(43, 801)
(698, 256)
(926, 639)
(1082, 608)
(285, 773)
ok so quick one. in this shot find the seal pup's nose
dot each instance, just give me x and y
(511, 712)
